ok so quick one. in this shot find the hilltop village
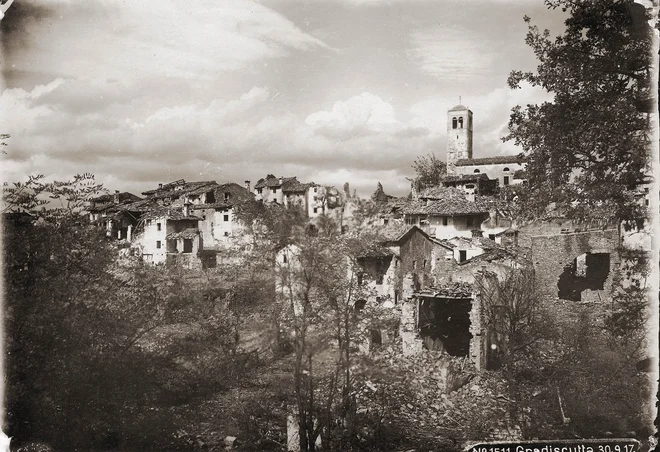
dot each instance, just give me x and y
(432, 256)
(434, 238)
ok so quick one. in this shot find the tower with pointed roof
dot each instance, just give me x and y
(459, 136)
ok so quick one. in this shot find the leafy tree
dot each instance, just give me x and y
(90, 362)
(588, 149)
(429, 170)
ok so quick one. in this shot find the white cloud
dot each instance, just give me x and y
(358, 114)
(134, 39)
(451, 53)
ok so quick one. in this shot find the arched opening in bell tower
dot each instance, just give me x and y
(454, 123)
(460, 122)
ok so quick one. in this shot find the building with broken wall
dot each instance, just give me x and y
(444, 318)
(576, 266)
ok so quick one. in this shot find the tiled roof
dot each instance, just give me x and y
(444, 201)
(137, 206)
(178, 188)
(293, 186)
(459, 290)
(188, 233)
(170, 214)
(274, 182)
(458, 108)
(501, 159)
(110, 197)
(107, 202)
(441, 192)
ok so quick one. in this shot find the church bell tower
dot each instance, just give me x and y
(459, 136)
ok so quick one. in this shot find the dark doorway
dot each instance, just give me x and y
(444, 324)
(462, 256)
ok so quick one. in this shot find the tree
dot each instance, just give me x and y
(429, 171)
(84, 369)
(588, 149)
(512, 315)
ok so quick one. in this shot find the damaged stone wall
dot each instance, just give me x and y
(552, 253)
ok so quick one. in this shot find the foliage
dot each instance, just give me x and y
(97, 352)
(429, 171)
(588, 149)
(512, 315)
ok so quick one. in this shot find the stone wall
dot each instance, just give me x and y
(551, 253)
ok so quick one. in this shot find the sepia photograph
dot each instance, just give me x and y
(329, 225)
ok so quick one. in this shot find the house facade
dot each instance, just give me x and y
(445, 213)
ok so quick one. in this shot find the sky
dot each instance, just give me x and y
(143, 92)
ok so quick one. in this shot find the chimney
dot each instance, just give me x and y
(281, 180)
(116, 197)
(477, 233)
(186, 209)
(160, 186)
(247, 185)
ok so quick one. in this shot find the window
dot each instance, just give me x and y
(396, 263)
(424, 266)
(460, 122)
(315, 189)
(491, 236)
(158, 226)
(359, 279)
(225, 217)
(468, 186)
(187, 245)
(379, 279)
(414, 265)
(477, 171)
(454, 123)
(274, 190)
(158, 244)
(385, 221)
(227, 196)
(284, 259)
(260, 190)
(505, 169)
(226, 233)
(462, 256)
(506, 180)
(445, 221)
(148, 222)
(316, 209)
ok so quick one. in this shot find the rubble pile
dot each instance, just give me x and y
(439, 395)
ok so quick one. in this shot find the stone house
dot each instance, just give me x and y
(168, 233)
(445, 317)
(111, 211)
(219, 225)
(445, 213)
(312, 198)
(471, 184)
(181, 192)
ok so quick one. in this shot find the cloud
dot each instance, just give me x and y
(361, 114)
(131, 40)
(136, 143)
(452, 53)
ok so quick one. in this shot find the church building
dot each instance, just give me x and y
(460, 162)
